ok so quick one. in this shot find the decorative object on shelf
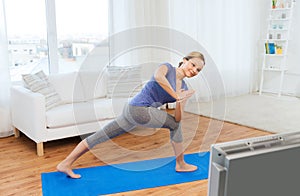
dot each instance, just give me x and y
(278, 49)
(270, 36)
(274, 4)
(280, 4)
(278, 36)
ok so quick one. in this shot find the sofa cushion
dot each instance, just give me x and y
(94, 84)
(123, 81)
(38, 82)
(83, 112)
(68, 86)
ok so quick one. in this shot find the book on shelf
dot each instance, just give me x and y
(270, 48)
(267, 47)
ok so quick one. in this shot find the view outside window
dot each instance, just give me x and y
(27, 36)
(81, 26)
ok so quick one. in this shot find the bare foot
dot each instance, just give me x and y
(184, 167)
(65, 168)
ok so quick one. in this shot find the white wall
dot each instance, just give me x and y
(292, 78)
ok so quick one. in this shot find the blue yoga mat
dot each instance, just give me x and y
(123, 177)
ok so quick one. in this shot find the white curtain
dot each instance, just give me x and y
(229, 30)
(132, 26)
(5, 120)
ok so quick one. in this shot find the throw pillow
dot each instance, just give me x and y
(39, 83)
(94, 84)
(123, 81)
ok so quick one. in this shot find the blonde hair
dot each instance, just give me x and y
(193, 54)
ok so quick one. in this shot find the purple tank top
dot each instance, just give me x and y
(153, 94)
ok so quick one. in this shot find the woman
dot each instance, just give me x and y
(166, 86)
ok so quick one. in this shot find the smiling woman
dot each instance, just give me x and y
(167, 85)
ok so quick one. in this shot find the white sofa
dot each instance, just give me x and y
(87, 104)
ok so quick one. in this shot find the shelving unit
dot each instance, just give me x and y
(277, 40)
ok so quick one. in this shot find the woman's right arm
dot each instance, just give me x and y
(160, 77)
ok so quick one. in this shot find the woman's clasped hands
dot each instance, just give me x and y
(183, 95)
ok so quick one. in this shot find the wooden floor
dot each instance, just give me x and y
(21, 168)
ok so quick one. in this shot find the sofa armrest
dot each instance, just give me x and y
(29, 113)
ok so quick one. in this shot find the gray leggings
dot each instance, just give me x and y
(133, 116)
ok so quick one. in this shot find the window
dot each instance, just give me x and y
(80, 26)
(27, 36)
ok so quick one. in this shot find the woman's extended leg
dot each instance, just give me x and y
(65, 165)
(112, 129)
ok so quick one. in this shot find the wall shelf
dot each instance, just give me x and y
(276, 43)
(275, 69)
(276, 40)
(276, 55)
(280, 9)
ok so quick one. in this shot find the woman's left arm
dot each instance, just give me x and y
(181, 103)
(177, 114)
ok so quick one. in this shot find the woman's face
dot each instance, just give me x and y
(192, 66)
